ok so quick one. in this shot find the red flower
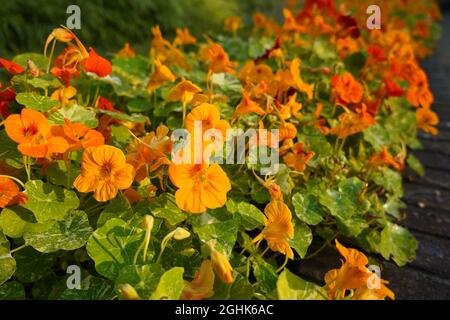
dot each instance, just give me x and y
(11, 67)
(6, 96)
(97, 64)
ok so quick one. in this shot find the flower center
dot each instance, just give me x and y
(30, 131)
(106, 170)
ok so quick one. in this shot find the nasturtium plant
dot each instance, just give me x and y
(212, 167)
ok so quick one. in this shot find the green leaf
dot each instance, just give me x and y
(240, 289)
(35, 101)
(266, 277)
(355, 62)
(12, 290)
(39, 59)
(70, 234)
(9, 152)
(307, 208)
(139, 105)
(14, 221)
(121, 137)
(57, 173)
(7, 262)
(44, 84)
(75, 113)
(291, 287)
(135, 117)
(32, 265)
(170, 285)
(92, 288)
(113, 246)
(302, 239)
(344, 201)
(416, 165)
(49, 202)
(397, 243)
(144, 278)
(251, 216)
(222, 233)
(389, 179)
(166, 208)
(116, 208)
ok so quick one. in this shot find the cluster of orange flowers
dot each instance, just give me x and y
(274, 98)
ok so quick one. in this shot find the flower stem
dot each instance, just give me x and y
(13, 178)
(18, 248)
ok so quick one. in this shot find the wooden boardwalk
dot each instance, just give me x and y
(427, 199)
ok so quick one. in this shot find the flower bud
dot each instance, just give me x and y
(222, 267)
(180, 234)
(128, 292)
(147, 222)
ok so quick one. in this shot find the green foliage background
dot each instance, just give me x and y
(107, 25)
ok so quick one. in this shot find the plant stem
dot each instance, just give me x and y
(18, 248)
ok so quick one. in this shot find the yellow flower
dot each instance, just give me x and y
(104, 172)
(201, 186)
(159, 77)
(278, 228)
(201, 287)
(353, 278)
(222, 267)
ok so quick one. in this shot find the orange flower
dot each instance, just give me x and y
(346, 46)
(233, 24)
(222, 267)
(300, 84)
(298, 158)
(247, 106)
(104, 172)
(251, 73)
(160, 76)
(126, 52)
(426, 120)
(352, 122)
(209, 116)
(63, 95)
(347, 89)
(201, 287)
(184, 91)
(287, 131)
(10, 193)
(12, 67)
(32, 132)
(217, 59)
(278, 228)
(97, 64)
(291, 108)
(201, 186)
(353, 275)
(60, 34)
(151, 153)
(418, 93)
(184, 37)
(79, 136)
(384, 158)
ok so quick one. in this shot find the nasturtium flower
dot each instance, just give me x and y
(159, 77)
(384, 158)
(10, 193)
(126, 52)
(353, 278)
(426, 120)
(278, 228)
(104, 171)
(291, 108)
(97, 64)
(184, 37)
(200, 186)
(298, 157)
(201, 287)
(222, 266)
(418, 93)
(79, 136)
(33, 133)
(347, 88)
(217, 59)
(233, 24)
(184, 91)
(208, 116)
(352, 122)
(287, 131)
(64, 94)
(247, 106)
(12, 67)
